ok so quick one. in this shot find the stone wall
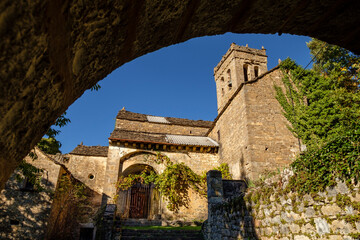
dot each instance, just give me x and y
(24, 213)
(90, 170)
(74, 205)
(252, 131)
(159, 128)
(269, 213)
(231, 69)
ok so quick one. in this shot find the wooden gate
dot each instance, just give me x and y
(139, 201)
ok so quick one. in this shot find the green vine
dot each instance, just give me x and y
(318, 168)
(173, 183)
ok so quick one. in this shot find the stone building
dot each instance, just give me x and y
(250, 134)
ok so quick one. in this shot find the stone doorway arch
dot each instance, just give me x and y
(140, 201)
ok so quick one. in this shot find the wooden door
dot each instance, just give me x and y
(139, 201)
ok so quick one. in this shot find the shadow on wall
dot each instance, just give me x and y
(74, 205)
(228, 214)
(24, 211)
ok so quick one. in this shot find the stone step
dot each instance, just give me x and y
(128, 234)
(139, 222)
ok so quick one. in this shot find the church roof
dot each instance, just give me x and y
(161, 138)
(100, 151)
(123, 114)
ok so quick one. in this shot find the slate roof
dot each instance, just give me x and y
(123, 114)
(100, 151)
(162, 138)
(119, 134)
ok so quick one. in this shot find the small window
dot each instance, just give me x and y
(218, 135)
(27, 185)
(229, 74)
(256, 71)
(222, 79)
(222, 91)
(245, 69)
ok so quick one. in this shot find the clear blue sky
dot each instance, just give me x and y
(176, 81)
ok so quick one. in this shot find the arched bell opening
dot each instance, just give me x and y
(141, 200)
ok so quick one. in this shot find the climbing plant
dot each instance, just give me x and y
(174, 182)
(323, 108)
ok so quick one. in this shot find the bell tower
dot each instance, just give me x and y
(239, 65)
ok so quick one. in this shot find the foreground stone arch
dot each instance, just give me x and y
(52, 51)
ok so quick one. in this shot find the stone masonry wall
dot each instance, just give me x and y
(230, 131)
(24, 214)
(252, 131)
(230, 68)
(333, 214)
(270, 142)
(90, 170)
(159, 128)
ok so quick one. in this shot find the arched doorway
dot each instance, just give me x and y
(141, 200)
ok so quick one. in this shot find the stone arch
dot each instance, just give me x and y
(52, 51)
(139, 157)
(150, 197)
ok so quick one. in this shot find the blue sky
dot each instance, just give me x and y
(176, 81)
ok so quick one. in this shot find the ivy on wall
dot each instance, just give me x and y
(323, 108)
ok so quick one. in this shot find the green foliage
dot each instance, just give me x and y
(318, 107)
(173, 183)
(49, 145)
(31, 174)
(225, 171)
(323, 107)
(318, 168)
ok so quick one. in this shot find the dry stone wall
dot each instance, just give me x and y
(333, 214)
(24, 213)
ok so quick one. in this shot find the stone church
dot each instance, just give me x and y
(250, 134)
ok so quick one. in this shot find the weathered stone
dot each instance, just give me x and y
(336, 237)
(301, 237)
(340, 226)
(308, 228)
(322, 226)
(294, 228)
(342, 188)
(309, 212)
(330, 210)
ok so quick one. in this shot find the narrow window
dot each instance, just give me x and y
(218, 133)
(222, 92)
(27, 185)
(245, 68)
(256, 71)
(229, 82)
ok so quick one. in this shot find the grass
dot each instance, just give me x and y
(194, 228)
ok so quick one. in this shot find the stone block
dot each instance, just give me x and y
(335, 237)
(330, 210)
(309, 212)
(294, 228)
(301, 237)
(322, 226)
(342, 188)
(340, 226)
